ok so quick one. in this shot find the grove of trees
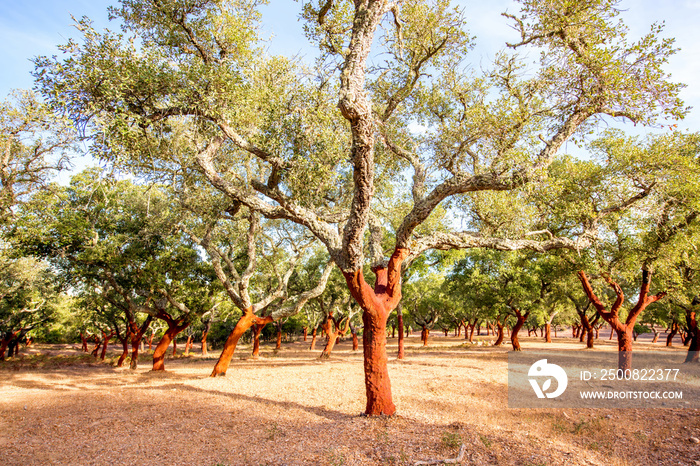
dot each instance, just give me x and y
(391, 181)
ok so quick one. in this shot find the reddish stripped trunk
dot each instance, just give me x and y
(3, 347)
(205, 333)
(656, 336)
(244, 323)
(521, 318)
(150, 341)
(84, 342)
(354, 340)
(313, 339)
(548, 333)
(306, 331)
(125, 352)
(674, 330)
(332, 335)
(96, 350)
(188, 345)
(399, 317)
(278, 344)
(377, 383)
(500, 337)
(257, 328)
(623, 330)
(136, 334)
(105, 341)
(377, 303)
(471, 332)
(205, 351)
(161, 348)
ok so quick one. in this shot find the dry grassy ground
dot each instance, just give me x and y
(289, 408)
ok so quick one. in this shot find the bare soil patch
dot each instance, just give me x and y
(289, 408)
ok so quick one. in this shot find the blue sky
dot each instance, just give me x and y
(34, 27)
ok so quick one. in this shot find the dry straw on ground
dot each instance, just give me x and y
(289, 408)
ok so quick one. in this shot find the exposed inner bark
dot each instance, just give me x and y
(257, 329)
(136, 335)
(205, 333)
(175, 326)
(312, 346)
(521, 318)
(376, 304)
(672, 333)
(399, 319)
(247, 320)
(623, 330)
(105, 341)
(499, 339)
(334, 327)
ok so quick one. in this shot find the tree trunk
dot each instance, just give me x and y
(330, 344)
(188, 345)
(84, 342)
(377, 383)
(150, 341)
(674, 330)
(424, 335)
(624, 345)
(125, 352)
(313, 339)
(161, 349)
(278, 344)
(694, 336)
(499, 340)
(96, 349)
(134, 354)
(257, 328)
(306, 331)
(399, 317)
(175, 346)
(589, 340)
(548, 333)
(205, 333)
(3, 347)
(612, 332)
(244, 323)
(330, 327)
(516, 328)
(105, 342)
(471, 332)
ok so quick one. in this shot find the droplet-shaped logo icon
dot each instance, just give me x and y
(542, 369)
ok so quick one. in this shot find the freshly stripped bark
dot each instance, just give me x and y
(623, 330)
(399, 318)
(521, 318)
(257, 329)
